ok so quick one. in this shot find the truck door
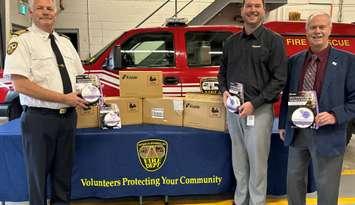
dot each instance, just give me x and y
(203, 56)
(153, 51)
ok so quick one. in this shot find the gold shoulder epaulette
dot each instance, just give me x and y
(64, 36)
(17, 33)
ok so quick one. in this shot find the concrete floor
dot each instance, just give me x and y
(347, 192)
(347, 188)
(349, 158)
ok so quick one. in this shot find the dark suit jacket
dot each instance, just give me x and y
(337, 96)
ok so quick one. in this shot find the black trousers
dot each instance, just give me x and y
(49, 142)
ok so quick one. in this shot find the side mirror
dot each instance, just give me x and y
(114, 60)
(117, 57)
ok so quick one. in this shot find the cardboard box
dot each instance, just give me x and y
(88, 118)
(204, 112)
(131, 109)
(164, 111)
(141, 84)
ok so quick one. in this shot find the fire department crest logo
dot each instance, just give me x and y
(152, 153)
(11, 48)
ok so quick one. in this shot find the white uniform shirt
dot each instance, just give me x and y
(33, 58)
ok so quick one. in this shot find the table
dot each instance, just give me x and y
(107, 163)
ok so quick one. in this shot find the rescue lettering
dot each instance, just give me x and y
(339, 42)
(303, 42)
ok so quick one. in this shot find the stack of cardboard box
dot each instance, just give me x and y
(147, 87)
(134, 87)
(141, 101)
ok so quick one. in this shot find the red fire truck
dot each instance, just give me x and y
(184, 54)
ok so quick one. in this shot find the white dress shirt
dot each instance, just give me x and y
(33, 58)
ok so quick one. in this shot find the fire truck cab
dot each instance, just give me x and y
(185, 54)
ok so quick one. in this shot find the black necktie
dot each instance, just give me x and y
(310, 75)
(67, 88)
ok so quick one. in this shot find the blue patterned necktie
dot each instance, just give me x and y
(310, 75)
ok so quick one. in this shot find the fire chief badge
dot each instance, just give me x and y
(152, 153)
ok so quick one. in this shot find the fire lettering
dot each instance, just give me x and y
(296, 41)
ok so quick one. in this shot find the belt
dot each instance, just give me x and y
(61, 111)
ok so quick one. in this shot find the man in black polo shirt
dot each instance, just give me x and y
(253, 66)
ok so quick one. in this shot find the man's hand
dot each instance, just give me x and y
(282, 133)
(246, 109)
(325, 118)
(74, 100)
(225, 97)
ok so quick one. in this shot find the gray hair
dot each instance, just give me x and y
(31, 2)
(318, 13)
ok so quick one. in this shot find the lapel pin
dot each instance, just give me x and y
(334, 63)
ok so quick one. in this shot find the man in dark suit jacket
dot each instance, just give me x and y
(334, 84)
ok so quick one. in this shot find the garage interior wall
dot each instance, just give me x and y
(99, 22)
(340, 10)
(110, 18)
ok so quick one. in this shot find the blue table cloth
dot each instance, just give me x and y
(109, 163)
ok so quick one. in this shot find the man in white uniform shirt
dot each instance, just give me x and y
(43, 66)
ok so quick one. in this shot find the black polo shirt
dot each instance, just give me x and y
(258, 61)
